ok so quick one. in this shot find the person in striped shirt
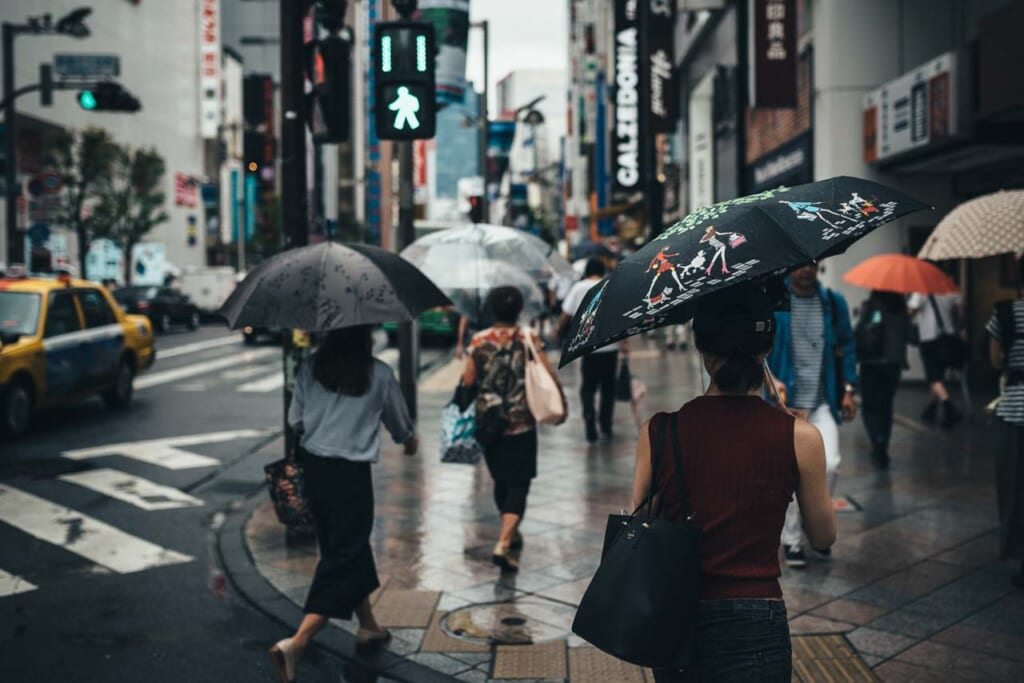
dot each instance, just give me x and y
(814, 360)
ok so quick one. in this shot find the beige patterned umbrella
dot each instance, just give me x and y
(986, 226)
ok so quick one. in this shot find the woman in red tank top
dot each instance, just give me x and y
(742, 461)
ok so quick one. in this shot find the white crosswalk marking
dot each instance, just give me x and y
(242, 373)
(186, 349)
(158, 378)
(142, 493)
(167, 452)
(268, 383)
(12, 585)
(77, 533)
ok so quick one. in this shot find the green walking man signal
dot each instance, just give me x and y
(404, 84)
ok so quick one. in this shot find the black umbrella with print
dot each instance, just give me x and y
(749, 238)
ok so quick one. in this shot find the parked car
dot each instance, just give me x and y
(62, 340)
(163, 306)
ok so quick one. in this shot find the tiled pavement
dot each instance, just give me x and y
(913, 585)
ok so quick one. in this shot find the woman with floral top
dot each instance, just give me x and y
(496, 366)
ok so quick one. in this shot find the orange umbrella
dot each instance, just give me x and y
(900, 273)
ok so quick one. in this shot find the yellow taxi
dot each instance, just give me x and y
(62, 340)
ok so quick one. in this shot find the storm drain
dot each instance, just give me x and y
(525, 621)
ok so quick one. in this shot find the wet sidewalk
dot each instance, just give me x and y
(913, 591)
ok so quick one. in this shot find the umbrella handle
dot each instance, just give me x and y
(770, 379)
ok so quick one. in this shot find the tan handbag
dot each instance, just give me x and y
(543, 395)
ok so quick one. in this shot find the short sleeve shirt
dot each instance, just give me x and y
(927, 324)
(500, 359)
(1011, 406)
(807, 324)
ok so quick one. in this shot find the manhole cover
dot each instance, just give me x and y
(519, 622)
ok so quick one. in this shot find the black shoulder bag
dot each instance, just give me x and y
(642, 604)
(956, 349)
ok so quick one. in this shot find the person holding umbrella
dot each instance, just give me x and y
(882, 334)
(496, 367)
(743, 459)
(815, 361)
(937, 319)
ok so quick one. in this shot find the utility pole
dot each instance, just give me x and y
(15, 245)
(483, 115)
(408, 353)
(294, 216)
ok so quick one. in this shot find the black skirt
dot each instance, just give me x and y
(340, 495)
(513, 458)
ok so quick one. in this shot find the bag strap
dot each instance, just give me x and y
(656, 449)
(938, 315)
(677, 461)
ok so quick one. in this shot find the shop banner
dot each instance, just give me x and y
(209, 68)
(702, 144)
(661, 45)
(773, 83)
(627, 174)
(451, 27)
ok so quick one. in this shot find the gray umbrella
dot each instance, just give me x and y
(331, 285)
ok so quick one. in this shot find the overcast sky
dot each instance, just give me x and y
(524, 34)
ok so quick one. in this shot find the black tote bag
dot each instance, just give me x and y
(642, 604)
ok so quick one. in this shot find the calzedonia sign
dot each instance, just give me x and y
(627, 174)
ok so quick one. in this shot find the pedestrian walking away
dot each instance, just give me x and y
(340, 399)
(496, 367)
(938, 319)
(1006, 351)
(742, 460)
(598, 368)
(881, 337)
(815, 362)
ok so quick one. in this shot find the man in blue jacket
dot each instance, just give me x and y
(814, 361)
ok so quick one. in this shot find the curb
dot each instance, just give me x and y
(252, 587)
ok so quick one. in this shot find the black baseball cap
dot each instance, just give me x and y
(743, 307)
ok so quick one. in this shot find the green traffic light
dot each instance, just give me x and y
(87, 100)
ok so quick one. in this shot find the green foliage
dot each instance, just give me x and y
(131, 204)
(85, 161)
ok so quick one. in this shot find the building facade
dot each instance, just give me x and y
(160, 48)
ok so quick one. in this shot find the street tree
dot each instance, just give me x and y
(132, 203)
(84, 160)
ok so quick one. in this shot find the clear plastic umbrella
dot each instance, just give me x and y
(469, 284)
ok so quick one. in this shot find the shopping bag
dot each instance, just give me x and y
(624, 385)
(284, 480)
(543, 395)
(458, 428)
(736, 240)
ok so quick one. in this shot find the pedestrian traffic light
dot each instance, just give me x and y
(404, 81)
(331, 101)
(476, 209)
(108, 97)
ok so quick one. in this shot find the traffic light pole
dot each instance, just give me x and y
(407, 347)
(14, 242)
(294, 217)
(482, 117)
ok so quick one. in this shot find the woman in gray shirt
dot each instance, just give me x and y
(341, 398)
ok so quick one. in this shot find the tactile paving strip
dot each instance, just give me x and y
(405, 608)
(590, 665)
(828, 658)
(531, 661)
(436, 640)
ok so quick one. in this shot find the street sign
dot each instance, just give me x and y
(87, 66)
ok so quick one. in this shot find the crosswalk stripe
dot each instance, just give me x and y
(167, 452)
(242, 373)
(90, 538)
(205, 345)
(12, 585)
(194, 369)
(142, 493)
(268, 383)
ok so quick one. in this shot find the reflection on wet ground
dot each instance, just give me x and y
(913, 584)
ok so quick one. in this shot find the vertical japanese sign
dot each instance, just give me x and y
(625, 152)
(209, 68)
(773, 81)
(661, 45)
(451, 28)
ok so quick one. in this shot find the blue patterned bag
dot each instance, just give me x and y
(458, 429)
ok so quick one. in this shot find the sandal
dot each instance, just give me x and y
(501, 558)
(374, 642)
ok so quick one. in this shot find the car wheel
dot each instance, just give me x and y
(120, 395)
(193, 320)
(164, 323)
(16, 404)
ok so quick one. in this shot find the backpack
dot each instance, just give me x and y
(869, 336)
